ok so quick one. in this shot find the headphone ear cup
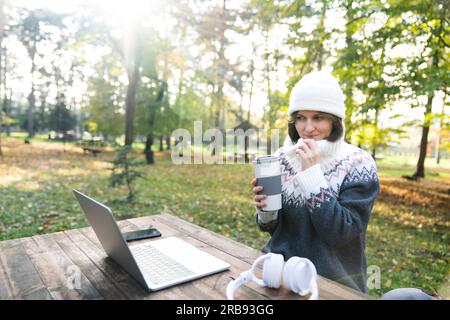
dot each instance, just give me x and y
(297, 275)
(273, 270)
(288, 272)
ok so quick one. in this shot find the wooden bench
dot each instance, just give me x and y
(94, 151)
(44, 267)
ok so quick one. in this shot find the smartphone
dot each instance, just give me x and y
(141, 234)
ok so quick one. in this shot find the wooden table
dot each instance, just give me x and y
(73, 265)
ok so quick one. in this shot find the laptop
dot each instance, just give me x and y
(156, 264)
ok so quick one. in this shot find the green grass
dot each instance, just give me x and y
(23, 135)
(137, 146)
(407, 236)
(404, 165)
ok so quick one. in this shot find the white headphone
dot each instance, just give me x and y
(298, 274)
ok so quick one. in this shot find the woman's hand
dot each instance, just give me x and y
(259, 199)
(309, 153)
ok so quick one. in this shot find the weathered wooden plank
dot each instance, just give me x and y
(5, 286)
(238, 255)
(89, 234)
(182, 291)
(36, 267)
(121, 278)
(198, 289)
(327, 288)
(240, 251)
(102, 283)
(331, 290)
(189, 290)
(23, 277)
(129, 287)
(61, 276)
(214, 286)
(164, 294)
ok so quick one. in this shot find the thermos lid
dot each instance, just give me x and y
(266, 159)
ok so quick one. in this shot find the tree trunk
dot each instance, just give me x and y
(241, 98)
(133, 79)
(1, 152)
(2, 52)
(1, 130)
(161, 147)
(31, 102)
(348, 84)
(6, 106)
(441, 124)
(168, 142)
(267, 67)
(321, 27)
(252, 69)
(8, 125)
(31, 97)
(246, 138)
(252, 78)
(178, 102)
(1, 69)
(148, 149)
(220, 112)
(420, 169)
(375, 135)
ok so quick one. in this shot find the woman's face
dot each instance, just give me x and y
(313, 125)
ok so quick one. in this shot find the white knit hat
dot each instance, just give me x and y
(318, 91)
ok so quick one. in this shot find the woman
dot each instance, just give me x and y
(328, 187)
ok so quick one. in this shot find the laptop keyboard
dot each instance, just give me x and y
(157, 266)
